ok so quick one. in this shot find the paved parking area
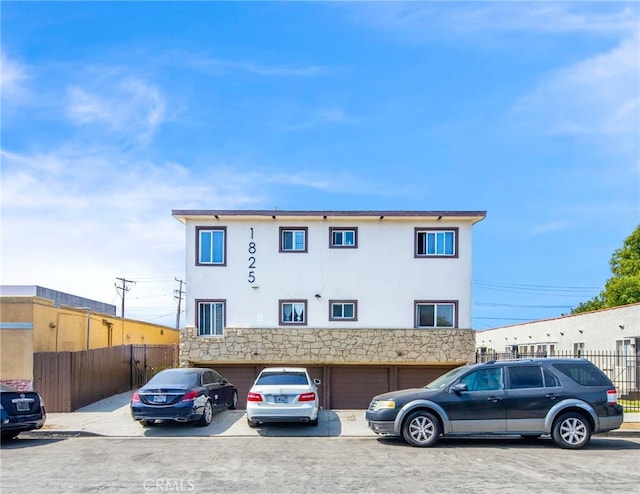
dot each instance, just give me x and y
(111, 417)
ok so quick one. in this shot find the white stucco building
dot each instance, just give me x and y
(374, 299)
(609, 337)
(614, 330)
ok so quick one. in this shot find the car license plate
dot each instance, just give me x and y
(160, 399)
(22, 406)
(281, 399)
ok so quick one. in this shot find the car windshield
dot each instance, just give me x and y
(174, 377)
(279, 378)
(445, 379)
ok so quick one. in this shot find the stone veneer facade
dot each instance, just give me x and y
(329, 346)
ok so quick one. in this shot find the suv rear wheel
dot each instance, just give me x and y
(421, 429)
(571, 431)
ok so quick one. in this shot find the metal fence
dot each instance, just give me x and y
(622, 369)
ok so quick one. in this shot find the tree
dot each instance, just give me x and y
(624, 286)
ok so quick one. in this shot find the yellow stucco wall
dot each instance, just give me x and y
(16, 355)
(33, 324)
(64, 329)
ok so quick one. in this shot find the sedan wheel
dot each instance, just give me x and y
(234, 401)
(421, 429)
(207, 415)
(571, 431)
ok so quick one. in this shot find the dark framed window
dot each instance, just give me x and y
(436, 314)
(211, 317)
(523, 377)
(293, 239)
(488, 379)
(211, 246)
(436, 242)
(343, 238)
(343, 310)
(293, 312)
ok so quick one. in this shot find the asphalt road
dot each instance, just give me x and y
(40, 464)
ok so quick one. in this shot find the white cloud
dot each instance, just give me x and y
(420, 21)
(102, 215)
(220, 66)
(551, 226)
(126, 105)
(13, 77)
(596, 95)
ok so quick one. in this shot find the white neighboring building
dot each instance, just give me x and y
(368, 301)
(614, 331)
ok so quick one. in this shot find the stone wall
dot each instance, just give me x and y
(329, 346)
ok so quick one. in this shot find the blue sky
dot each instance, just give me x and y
(115, 113)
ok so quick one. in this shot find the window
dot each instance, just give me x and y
(293, 239)
(436, 242)
(210, 317)
(624, 353)
(343, 310)
(436, 314)
(521, 377)
(293, 312)
(550, 381)
(211, 246)
(283, 378)
(584, 374)
(484, 380)
(578, 349)
(345, 238)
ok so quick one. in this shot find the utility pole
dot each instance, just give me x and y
(177, 294)
(124, 289)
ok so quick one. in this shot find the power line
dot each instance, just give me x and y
(522, 287)
(523, 306)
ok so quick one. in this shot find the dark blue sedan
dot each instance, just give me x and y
(20, 411)
(183, 395)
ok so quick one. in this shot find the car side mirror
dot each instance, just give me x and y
(459, 388)
(317, 382)
(225, 380)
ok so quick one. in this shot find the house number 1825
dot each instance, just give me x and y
(252, 258)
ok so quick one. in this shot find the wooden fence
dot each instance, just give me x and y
(70, 380)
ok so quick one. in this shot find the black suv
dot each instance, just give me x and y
(566, 398)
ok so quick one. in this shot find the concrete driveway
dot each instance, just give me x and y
(111, 417)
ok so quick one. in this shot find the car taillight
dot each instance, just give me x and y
(135, 398)
(612, 397)
(307, 397)
(190, 396)
(254, 396)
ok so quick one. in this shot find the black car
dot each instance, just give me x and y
(183, 395)
(20, 411)
(568, 399)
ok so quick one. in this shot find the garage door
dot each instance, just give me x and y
(353, 387)
(417, 377)
(242, 377)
